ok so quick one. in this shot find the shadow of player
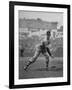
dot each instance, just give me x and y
(53, 68)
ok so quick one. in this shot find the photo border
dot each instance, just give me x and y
(11, 43)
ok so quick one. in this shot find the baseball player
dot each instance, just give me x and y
(41, 48)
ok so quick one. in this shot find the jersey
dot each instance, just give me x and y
(42, 47)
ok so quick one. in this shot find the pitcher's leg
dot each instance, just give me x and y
(47, 60)
(33, 59)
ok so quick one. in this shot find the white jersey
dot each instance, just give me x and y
(45, 42)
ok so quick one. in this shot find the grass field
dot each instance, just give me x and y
(38, 69)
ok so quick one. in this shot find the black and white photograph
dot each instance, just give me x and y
(40, 44)
(40, 38)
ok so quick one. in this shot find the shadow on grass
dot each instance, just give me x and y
(53, 68)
